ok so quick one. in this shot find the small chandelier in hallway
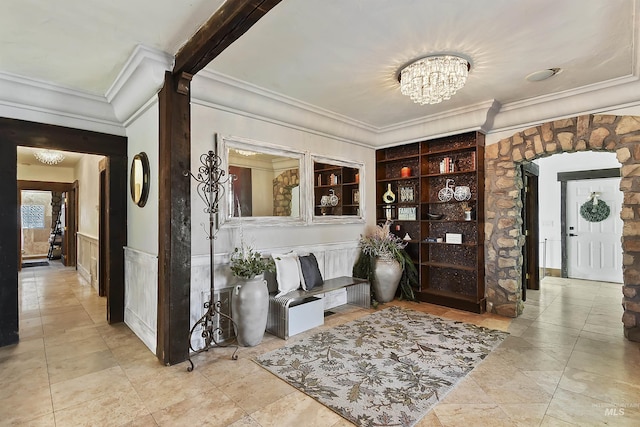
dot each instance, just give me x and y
(49, 157)
(433, 79)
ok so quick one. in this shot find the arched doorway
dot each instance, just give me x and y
(503, 216)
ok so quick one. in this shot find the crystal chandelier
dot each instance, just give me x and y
(245, 152)
(49, 157)
(433, 79)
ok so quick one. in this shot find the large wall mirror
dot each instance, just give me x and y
(268, 185)
(337, 190)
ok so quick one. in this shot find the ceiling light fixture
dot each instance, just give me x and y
(538, 76)
(245, 152)
(49, 157)
(434, 79)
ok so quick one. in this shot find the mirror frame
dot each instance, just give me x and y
(333, 219)
(233, 142)
(144, 191)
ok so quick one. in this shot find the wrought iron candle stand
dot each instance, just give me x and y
(211, 179)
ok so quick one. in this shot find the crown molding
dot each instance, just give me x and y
(35, 100)
(478, 116)
(141, 78)
(212, 88)
(588, 99)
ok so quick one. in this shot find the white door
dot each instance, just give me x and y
(594, 249)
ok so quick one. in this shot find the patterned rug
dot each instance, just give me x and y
(385, 369)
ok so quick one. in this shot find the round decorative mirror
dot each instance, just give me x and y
(139, 179)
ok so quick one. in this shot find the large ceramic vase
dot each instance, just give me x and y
(249, 310)
(387, 277)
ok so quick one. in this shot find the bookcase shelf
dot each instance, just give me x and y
(450, 274)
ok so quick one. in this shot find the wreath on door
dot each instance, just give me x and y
(594, 210)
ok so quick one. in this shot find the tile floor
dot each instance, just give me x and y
(566, 363)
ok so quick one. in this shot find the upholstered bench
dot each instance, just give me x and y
(300, 310)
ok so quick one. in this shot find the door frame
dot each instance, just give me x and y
(102, 234)
(563, 177)
(530, 228)
(71, 214)
(14, 133)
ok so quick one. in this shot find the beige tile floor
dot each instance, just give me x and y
(566, 363)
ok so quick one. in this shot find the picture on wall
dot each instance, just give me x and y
(407, 193)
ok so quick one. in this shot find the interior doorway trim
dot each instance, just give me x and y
(564, 177)
(14, 133)
(72, 214)
(503, 226)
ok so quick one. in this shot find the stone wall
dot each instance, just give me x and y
(503, 216)
(282, 186)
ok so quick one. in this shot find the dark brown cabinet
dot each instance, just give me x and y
(439, 203)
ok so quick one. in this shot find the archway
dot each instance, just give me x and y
(503, 219)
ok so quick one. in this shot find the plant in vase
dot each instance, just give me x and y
(250, 298)
(386, 264)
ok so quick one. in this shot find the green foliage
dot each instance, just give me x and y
(247, 263)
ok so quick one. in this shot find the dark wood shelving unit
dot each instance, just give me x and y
(451, 274)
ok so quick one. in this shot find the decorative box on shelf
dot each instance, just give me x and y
(407, 213)
(455, 238)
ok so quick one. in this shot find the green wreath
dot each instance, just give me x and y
(594, 210)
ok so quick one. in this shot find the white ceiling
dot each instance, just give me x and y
(26, 158)
(341, 56)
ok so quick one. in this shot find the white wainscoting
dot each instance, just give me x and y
(334, 260)
(88, 258)
(141, 295)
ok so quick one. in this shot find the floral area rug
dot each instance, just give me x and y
(385, 369)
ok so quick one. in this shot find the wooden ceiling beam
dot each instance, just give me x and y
(228, 24)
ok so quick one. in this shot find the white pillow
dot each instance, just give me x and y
(287, 272)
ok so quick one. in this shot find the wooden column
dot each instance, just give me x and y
(116, 229)
(232, 20)
(8, 245)
(174, 251)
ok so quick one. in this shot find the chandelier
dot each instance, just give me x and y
(245, 152)
(433, 79)
(49, 157)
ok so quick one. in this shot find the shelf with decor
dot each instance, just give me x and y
(398, 172)
(446, 179)
(331, 182)
(452, 206)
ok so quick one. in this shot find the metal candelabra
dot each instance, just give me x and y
(211, 179)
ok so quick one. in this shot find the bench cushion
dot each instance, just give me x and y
(310, 271)
(287, 273)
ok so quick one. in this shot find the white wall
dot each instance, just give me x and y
(45, 173)
(207, 120)
(549, 195)
(141, 253)
(88, 176)
(143, 134)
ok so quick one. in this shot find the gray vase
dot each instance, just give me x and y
(249, 310)
(387, 277)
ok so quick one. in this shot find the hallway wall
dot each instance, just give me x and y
(141, 253)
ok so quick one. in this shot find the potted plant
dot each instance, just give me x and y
(385, 263)
(250, 298)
